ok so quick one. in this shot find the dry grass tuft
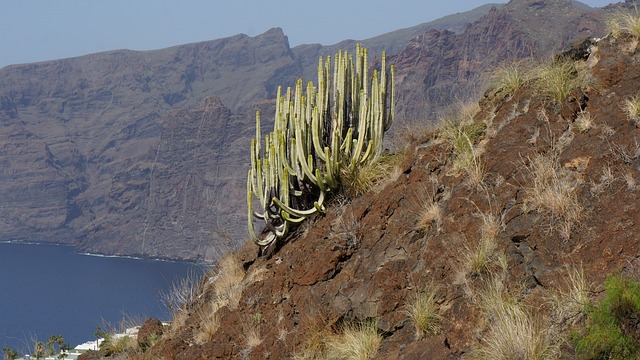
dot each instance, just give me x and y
(356, 341)
(630, 180)
(509, 78)
(412, 133)
(583, 122)
(225, 282)
(632, 108)
(422, 309)
(428, 210)
(514, 331)
(462, 133)
(553, 191)
(314, 345)
(606, 179)
(209, 324)
(485, 257)
(569, 302)
(557, 80)
(362, 178)
(346, 229)
(624, 23)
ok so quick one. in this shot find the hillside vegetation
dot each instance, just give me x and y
(510, 231)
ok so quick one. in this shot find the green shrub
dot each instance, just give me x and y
(610, 331)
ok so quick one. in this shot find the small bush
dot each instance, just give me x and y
(610, 331)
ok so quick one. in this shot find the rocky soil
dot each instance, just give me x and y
(367, 257)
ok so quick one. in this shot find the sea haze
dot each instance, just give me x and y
(48, 289)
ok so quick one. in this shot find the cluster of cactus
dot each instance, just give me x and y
(317, 133)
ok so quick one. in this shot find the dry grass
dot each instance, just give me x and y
(514, 331)
(583, 122)
(557, 80)
(568, 302)
(631, 107)
(630, 180)
(252, 338)
(360, 179)
(624, 23)
(314, 344)
(606, 179)
(462, 133)
(346, 229)
(412, 133)
(356, 341)
(509, 78)
(553, 191)
(182, 294)
(209, 323)
(422, 309)
(485, 257)
(225, 282)
(428, 210)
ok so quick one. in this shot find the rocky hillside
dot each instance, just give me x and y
(143, 153)
(505, 223)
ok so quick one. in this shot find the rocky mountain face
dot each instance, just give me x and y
(135, 153)
(502, 254)
(145, 153)
(440, 67)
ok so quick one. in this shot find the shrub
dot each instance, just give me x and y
(610, 331)
(10, 354)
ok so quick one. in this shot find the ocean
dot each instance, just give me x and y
(50, 290)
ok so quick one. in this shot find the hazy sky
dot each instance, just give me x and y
(52, 29)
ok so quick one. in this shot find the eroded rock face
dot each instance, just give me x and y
(132, 153)
(441, 67)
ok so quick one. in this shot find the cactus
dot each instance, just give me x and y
(339, 124)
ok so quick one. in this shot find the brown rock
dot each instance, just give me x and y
(150, 333)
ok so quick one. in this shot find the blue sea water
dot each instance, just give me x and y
(50, 290)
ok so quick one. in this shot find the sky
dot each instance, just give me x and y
(39, 30)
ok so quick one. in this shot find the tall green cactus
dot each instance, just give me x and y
(317, 133)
